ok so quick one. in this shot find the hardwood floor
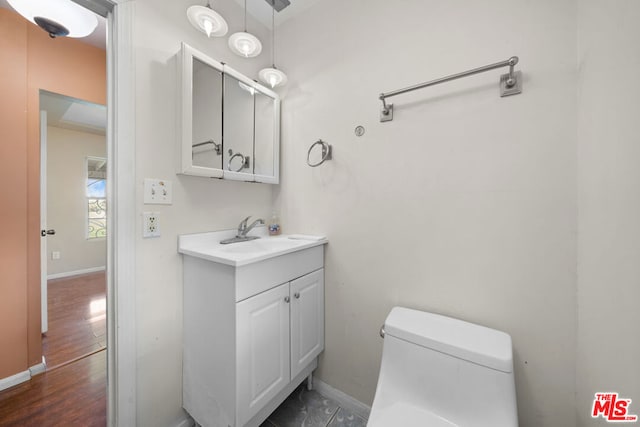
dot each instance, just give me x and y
(77, 318)
(73, 390)
(72, 395)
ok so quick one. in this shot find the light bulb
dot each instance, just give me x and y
(245, 48)
(208, 26)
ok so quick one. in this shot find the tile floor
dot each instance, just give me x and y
(305, 408)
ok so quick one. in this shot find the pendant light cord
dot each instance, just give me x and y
(273, 33)
(245, 16)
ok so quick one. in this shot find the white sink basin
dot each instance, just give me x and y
(207, 246)
(268, 244)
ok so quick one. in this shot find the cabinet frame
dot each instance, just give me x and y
(212, 343)
(184, 146)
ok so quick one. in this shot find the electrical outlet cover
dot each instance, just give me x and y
(151, 224)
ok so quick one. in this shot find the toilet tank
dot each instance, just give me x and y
(455, 372)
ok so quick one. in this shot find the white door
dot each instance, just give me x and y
(43, 220)
(263, 349)
(307, 320)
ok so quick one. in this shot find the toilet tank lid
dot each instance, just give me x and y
(464, 340)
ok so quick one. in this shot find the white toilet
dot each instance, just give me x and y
(439, 371)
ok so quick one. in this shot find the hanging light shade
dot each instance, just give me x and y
(243, 43)
(272, 76)
(59, 18)
(207, 20)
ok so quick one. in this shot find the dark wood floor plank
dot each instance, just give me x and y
(77, 318)
(72, 395)
(72, 392)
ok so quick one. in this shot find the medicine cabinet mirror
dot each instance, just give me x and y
(230, 125)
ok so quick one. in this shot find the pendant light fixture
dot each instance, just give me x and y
(272, 76)
(59, 18)
(207, 20)
(243, 43)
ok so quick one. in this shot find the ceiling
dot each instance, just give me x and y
(98, 38)
(75, 114)
(261, 10)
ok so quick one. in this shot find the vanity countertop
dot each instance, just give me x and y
(207, 246)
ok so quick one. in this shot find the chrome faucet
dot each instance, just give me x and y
(243, 228)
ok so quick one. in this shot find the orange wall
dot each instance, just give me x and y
(36, 61)
(13, 196)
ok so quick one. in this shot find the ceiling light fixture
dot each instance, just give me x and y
(59, 18)
(243, 43)
(207, 20)
(273, 76)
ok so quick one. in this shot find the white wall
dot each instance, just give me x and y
(67, 152)
(199, 204)
(609, 203)
(464, 204)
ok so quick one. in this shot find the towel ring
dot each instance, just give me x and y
(326, 153)
(242, 166)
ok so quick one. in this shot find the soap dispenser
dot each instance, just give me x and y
(274, 224)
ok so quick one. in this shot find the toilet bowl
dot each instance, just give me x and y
(441, 372)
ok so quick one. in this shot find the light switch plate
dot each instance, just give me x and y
(157, 192)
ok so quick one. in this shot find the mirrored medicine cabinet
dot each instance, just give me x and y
(230, 125)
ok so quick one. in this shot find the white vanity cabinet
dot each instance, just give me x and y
(279, 332)
(252, 333)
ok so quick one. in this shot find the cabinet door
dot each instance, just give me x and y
(307, 320)
(263, 350)
(238, 128)
(200, 150)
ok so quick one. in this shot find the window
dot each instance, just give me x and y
(96, 197)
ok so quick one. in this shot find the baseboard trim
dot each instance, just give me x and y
(14, 380)
(344, 400)
(75, 273)
(38, 369)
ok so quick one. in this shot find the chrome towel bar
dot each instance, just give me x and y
(510, 84)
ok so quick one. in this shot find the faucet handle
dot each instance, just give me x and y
(243, 224)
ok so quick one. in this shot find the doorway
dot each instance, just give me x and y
(61, 65)
(73, 217)
(18, 149)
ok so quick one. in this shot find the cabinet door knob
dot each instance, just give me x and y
(286, 299)
(297, 295)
